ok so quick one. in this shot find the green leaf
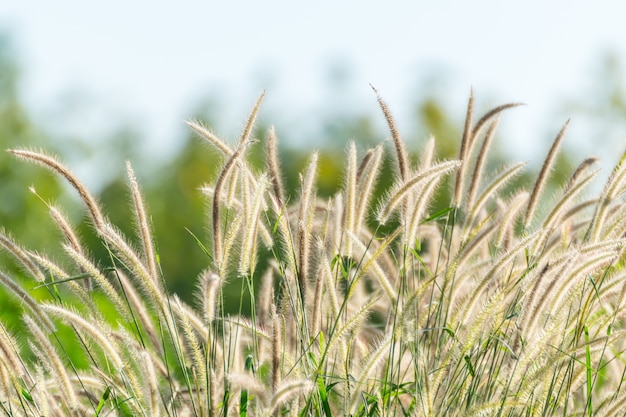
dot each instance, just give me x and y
(72, 278)
(249, 364)
(469, 365)
(589, 373)
(243, 403)
(27, 395)
(321, 389)
(243, 397)
(200, 244)
(421, 261)
(105, 397)
(437, 215)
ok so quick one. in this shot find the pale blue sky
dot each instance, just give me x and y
(148, 61)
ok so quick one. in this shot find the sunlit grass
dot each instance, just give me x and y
(495, 304)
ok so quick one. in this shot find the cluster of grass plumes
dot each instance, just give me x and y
(493, 305)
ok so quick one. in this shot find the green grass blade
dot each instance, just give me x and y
(589, 372)
(321, 389)
(103, 400)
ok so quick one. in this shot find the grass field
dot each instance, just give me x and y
(503, 302)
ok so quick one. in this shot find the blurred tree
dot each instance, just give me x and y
(21, 213)
(599, 112)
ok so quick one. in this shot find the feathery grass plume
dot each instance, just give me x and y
(398, 143)
(142, 223)
(21, 256)
(273, 166)
(59, 277)
(233, 187)
(498, 263)
(472, 243)
(236, 207)
(564, 291)
(244, 381)
(88, 327)
(420, 205)
(614, 407)
(489, 115)
(265, 298)
(352, 323)
(132, 261)
(70, 237)
(584, 165)
(27, 300)
(543, 177)
(602, 269)
(316, 311)
(364, 163)
(10, 356)
(369, 260)
(428, 153)
(284, 236)
(53, 364)
(51, 163)
(95, 273)
(196, 359)
(470, 134)
(464, 151)
(277, 336)
(509, 215)
(611, 189)
(617, 226)
(250, 326)
(616, 184)
(152, 387)
(535, 298)
(498, 182)
(402, 189)
(349, 215)
(248, 247)
(231, 239)
(483, 322)
(571, 191)
(304, 223)
(182, 309)
(416, 213)
(335, 235)
(618, 295)
(287, 391)
(215, 218)
(370, 365)
(330, 286)
(65, 228)
(210, 282)
(6, 381)
(138, 308)
(481, 158)
(247, 130)
(211, 137)
(367, 175)
(619, 184)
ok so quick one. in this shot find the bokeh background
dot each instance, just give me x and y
(99, 83)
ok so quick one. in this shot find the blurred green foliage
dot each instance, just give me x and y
(21, 215)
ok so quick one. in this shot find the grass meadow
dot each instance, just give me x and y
(504, 302)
